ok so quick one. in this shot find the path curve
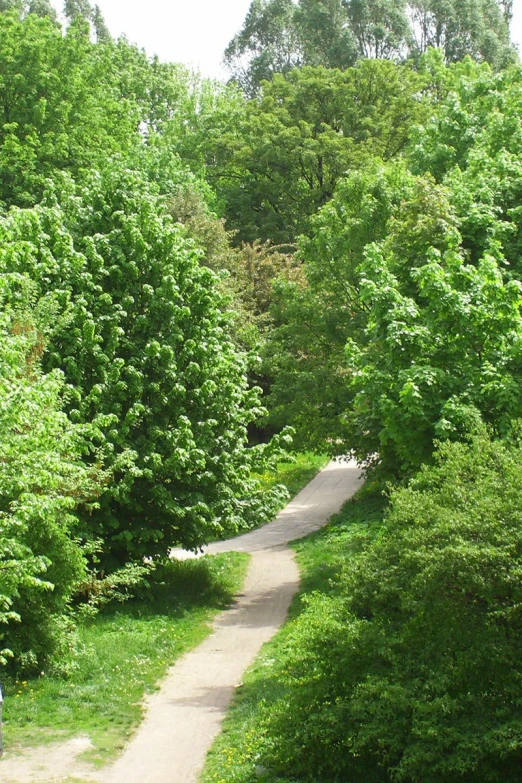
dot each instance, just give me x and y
(183, 718)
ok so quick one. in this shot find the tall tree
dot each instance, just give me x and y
(507, 9)
(479, 28)
(100, 26)
(280, 34)
(77, 9)
(268, 43)
(325, 37)
(42, 8)
(306, 130)
(380, 27)
(24, 7)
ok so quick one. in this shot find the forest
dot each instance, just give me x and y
(197, 278)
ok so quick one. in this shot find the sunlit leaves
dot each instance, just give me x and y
(144, 347)
(43, 482)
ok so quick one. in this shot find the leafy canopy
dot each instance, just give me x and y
(413, 289)
(61, 105)
(301, 136)
(144, 348)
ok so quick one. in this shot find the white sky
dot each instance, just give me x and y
(194, 32)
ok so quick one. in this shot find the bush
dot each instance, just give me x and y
(43, 481)
(144, 347)
(412, 672)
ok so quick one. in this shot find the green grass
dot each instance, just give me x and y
(127, 650)
(237, 754)
(294, 475)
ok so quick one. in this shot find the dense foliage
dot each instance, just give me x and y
(43, 484)
(407, 670)
(246, 272)
(137, 346)
(145, 216)
(60, 105)
(413, 298)
(302, 135)
(142, 343)
(401, 662)
(70, 104)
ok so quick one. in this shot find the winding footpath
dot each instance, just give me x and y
(183, 718)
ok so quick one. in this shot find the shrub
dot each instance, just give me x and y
(412, 671)
(43, 482)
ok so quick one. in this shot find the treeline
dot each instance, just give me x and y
(279, 35)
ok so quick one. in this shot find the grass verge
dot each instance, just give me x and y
(125, 652)
(294, 475)
(237, 754)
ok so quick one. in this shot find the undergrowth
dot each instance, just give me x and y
(401, 660)
(294, 474)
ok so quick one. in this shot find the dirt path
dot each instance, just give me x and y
(185, 715)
